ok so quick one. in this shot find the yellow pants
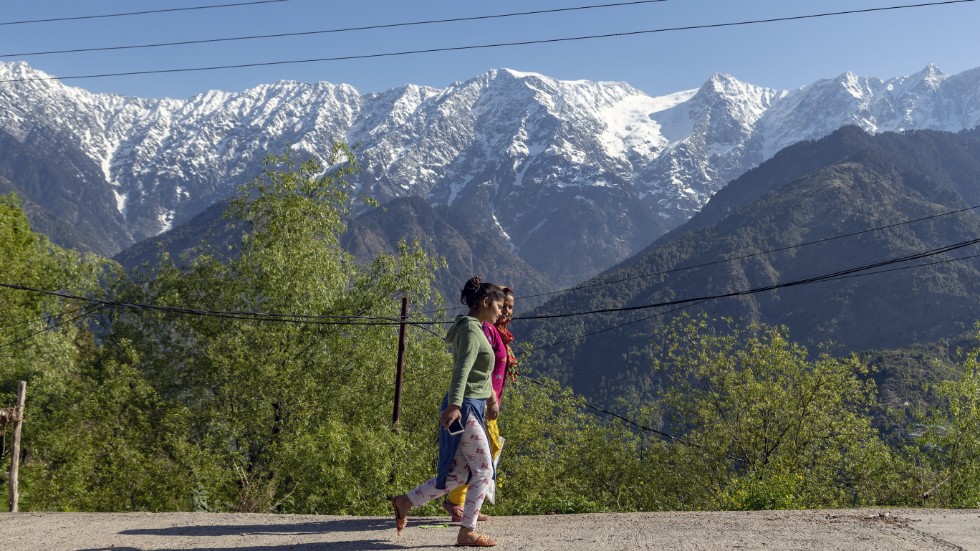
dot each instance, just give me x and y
(458, 495)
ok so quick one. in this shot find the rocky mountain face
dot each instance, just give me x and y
(573, 176)
(888, 194)
(467, 246)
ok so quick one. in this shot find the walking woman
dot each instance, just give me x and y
(465, 457)
(505, 366)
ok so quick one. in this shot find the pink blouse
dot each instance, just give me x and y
(499, 374)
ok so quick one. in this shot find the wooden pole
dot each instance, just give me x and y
(401, 362)
(15, 452)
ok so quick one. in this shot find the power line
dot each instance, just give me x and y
(48, 316)
(91, 309)
(794, 283)
(614, 327)
(644, 428)
(739, 257)
(659, 314)
(900, 268)
(751, 255)
(99, 305)
(145, 12)
(225, 314)
(666, 435)
(487, 46)
(387, 321)
(334, 31)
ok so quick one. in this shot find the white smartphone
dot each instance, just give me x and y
(456, 427)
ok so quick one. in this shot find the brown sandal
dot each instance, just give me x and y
(482, 540)
(400, 521)
(456, 512)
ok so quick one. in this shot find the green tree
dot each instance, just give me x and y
(765, 426)
(291, 413)
(85, 442)
(37, 332)
(950, 441)
(108, 443)
(560, 457)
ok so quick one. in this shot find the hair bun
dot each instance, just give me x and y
(476, 290)
(470, 290)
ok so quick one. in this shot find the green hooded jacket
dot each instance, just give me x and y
(472, 360)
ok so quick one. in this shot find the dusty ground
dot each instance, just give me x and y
(885, 530)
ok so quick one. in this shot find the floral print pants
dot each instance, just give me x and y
(472, 457)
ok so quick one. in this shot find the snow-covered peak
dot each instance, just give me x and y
(507, 141)
(932, 76)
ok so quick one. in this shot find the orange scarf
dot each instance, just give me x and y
(508, 337)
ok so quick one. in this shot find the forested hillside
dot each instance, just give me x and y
(836, 204)
(464, 244)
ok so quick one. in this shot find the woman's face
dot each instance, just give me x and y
(490, 310)
(507, 309)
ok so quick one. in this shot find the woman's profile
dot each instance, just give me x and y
(465, 457)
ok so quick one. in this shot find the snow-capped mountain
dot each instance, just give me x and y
(576, 175)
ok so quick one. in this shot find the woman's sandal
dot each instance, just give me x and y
(456, 512)
(400, 521)
(481, 540)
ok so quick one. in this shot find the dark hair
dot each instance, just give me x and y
(476, 290)
(507, 291)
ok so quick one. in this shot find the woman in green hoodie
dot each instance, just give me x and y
(465, 457)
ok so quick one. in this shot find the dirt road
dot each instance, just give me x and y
(884, 530)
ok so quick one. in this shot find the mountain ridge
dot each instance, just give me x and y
(813, 192)
(521, 151)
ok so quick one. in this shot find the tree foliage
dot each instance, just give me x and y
(277, 407)
(41, 343)
(950, 439)
(766, 426)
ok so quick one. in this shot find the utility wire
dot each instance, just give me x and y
(900, 268)
(44, 317)
(486, 46)
(227, 314)
(98, 305)
(586, 404)
(621, 325)
(387, 321)
(332, 31)
(614, 327)
(145, 12)
(739, 257)
(91, 309)
(665, 435)
(752, 255)
(805, 281)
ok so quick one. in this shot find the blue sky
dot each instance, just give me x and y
(778, 55)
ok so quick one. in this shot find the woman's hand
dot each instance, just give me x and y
(493, 410)
(449, 415)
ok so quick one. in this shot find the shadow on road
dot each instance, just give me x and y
(345, 525)
(359, 545)
(302, 528)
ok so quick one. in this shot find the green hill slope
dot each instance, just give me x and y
(847, 182)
